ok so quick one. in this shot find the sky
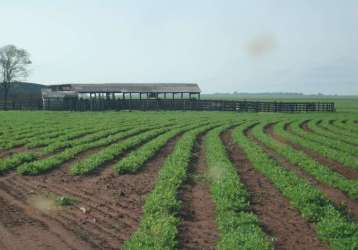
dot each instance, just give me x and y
(223, 45)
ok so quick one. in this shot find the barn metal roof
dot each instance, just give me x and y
(129, 87)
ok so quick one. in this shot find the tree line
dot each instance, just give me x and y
(14, 66)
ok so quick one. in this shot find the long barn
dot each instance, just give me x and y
(60, 94)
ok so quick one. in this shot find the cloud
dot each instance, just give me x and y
(261, 45)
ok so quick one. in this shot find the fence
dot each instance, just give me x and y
(166, 104)
(23, 105)
(186, 104)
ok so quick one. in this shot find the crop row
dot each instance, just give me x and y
(96, 160)
(15, 141)
(22, 129)
(136, 159)
(98, 133)
(10, 130)
(333, 139)
(31, 128)
(53, 161)
(349, 126)
(239, 228)
(331, 226)
(322, 137)
(344, 158)
(71, 136)
(16, 160)
(158, 226)
(46, 139)
(36, 136)
(300, 159)
(44, 136)
(353, 123)
(66, 134)
(341, 133)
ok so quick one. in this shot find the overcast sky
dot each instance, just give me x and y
(305, 46)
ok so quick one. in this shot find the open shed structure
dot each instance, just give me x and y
(65, 95)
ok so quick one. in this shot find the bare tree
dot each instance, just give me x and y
(13, 67)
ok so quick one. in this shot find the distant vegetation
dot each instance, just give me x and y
(14, 63)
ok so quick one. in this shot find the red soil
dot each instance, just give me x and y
(5, 153)
(198, 229)
(305, 127)
(281, 221)
(347, 172)
(108, 211)
(335, 195)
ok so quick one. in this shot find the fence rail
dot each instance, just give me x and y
(166, 104)
(182, 104)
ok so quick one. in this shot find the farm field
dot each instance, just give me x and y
(178, 180)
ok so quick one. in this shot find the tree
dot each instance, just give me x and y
(14, 64)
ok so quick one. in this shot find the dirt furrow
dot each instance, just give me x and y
(305, 127)
(23, 227)
(92, 225)
(48, 212)
(279, 219)
(103, 219)
(197, 229)
(6, 153)
(113, 203)
(64, 167)
(100, 238)
(336, 196)
(104, 206)
(332, 131)
(347, 172)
